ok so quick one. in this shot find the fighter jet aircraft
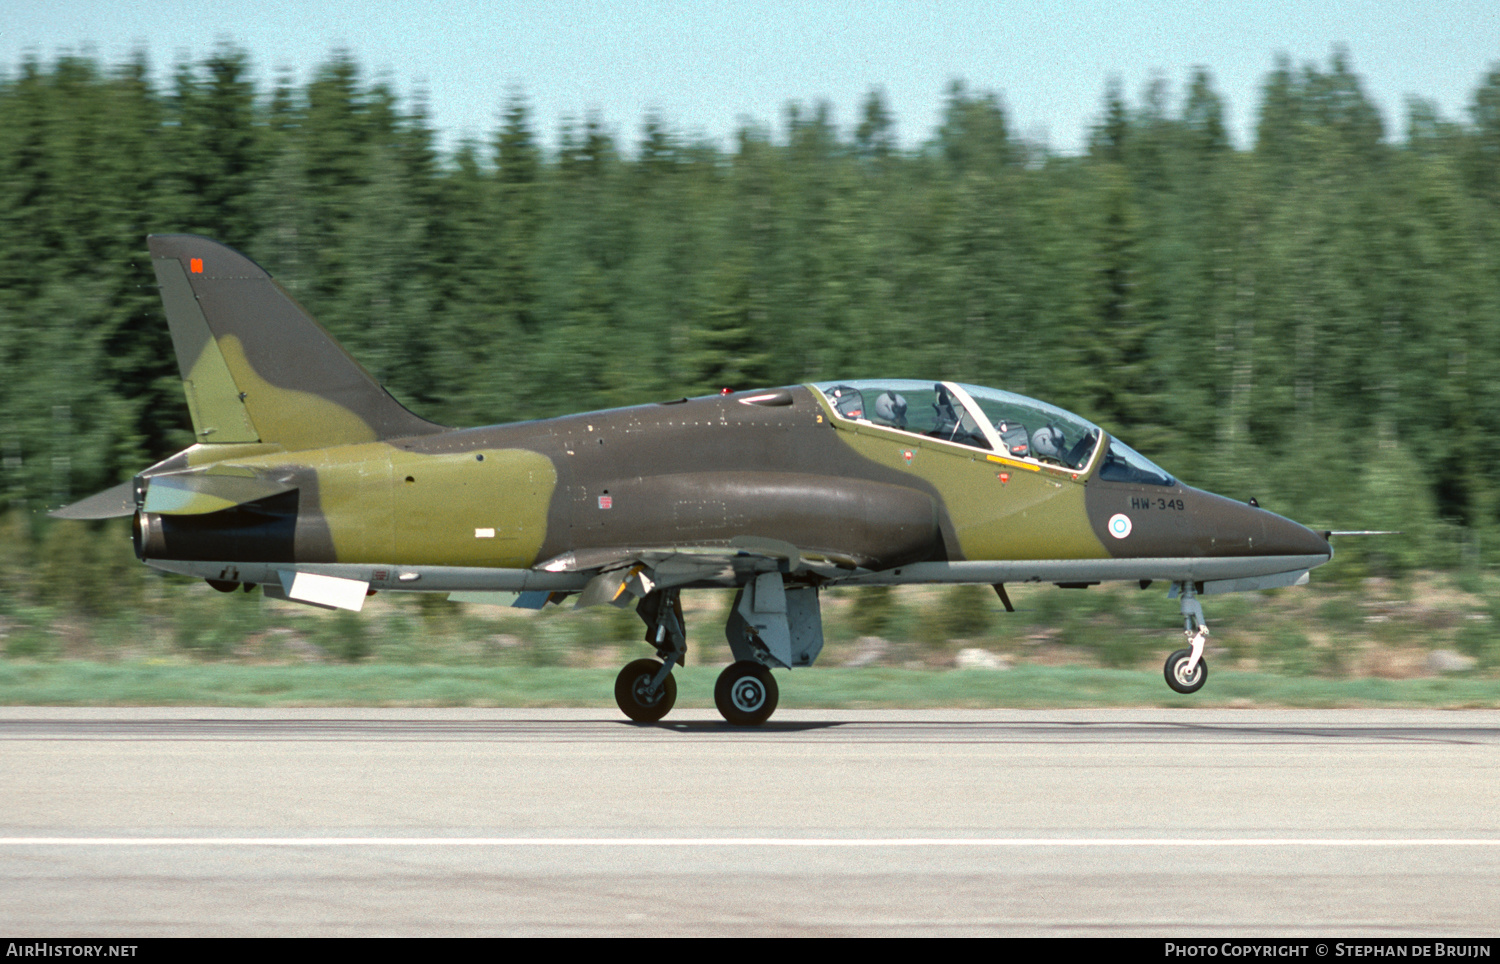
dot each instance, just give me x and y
(309, 480)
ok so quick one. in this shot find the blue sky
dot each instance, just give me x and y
(708, 67)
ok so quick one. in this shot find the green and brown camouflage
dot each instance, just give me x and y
(310, 480)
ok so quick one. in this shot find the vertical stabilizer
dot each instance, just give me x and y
(255, 366)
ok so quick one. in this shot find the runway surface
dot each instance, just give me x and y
(1173, 823)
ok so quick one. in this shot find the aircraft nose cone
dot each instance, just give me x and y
(1283, 537)
(1192, 522)
(1234, 528)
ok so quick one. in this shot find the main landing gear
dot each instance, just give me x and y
(646, 690)
(746, 693)
(770, 624)
(1186, 670)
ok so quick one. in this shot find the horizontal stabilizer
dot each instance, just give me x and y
(200, 494)
(112, 503)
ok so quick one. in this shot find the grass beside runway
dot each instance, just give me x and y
(1432, 640)
(85, 683)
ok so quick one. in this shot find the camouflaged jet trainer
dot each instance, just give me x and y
(309, 480)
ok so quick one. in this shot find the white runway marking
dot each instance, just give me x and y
(762, 842)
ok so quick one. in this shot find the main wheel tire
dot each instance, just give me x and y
(633, 691)
(746, 693)
(1177, 676)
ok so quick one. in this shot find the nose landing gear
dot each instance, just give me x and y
(1186, 671)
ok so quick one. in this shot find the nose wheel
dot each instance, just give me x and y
(746, 693)
(646, 690)
(1184, 674)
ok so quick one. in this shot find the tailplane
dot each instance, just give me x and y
(255, 365)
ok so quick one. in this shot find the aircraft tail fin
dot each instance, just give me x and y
(255, 365)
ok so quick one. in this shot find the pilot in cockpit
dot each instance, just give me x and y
(890, 408)
(1047, 443)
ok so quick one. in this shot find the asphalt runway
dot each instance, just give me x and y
(1170, 823)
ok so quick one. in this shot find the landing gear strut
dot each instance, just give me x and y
(1186, 670)
(770, 624)
(645, 690)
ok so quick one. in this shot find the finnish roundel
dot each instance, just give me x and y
(1119, 525)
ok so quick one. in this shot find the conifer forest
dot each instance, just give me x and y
(1312, 320)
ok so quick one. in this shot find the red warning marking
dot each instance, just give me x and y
(1003, 477)
(606, 502)
(196, 266)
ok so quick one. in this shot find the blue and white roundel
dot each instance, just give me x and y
(1119, 525)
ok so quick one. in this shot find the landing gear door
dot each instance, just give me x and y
(774, 625)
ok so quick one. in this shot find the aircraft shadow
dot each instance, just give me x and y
(719, 726)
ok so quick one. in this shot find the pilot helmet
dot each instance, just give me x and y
(1047, 442)
(891, 408)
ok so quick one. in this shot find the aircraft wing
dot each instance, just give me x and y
(623, 575)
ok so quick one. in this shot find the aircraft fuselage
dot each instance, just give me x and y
(701, 472)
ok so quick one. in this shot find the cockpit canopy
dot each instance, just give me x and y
(1004, 423)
